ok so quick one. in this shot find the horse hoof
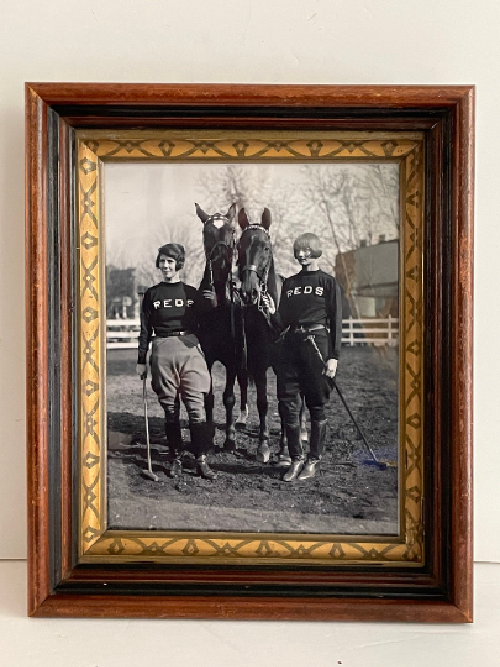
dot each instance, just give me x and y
(284, 459)
(263, 453)
(241, 422)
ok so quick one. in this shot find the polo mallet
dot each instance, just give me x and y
(382, 465)
(149, 472)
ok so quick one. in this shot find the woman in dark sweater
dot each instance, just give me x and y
(310, 314)
(169, 318)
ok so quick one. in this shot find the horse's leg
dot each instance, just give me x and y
(229, 400)
(263, 451)
(209, 410)
(303, 430)
(242, 376)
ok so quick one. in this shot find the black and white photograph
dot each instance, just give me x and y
(252, 346)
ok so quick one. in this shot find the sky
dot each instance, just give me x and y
(139, 196)
(142, 197)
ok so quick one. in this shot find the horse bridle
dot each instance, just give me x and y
(210, 259)
(220, 244)
(263, 280)
(229, 280)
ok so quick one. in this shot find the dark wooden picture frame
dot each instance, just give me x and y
(61, 583)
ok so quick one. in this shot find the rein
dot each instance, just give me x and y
(218, 245)
(229, 279)
(263, 280)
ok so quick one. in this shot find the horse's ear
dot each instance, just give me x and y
(266, 218)
(231, 212)
(201, 213)
(243, 219)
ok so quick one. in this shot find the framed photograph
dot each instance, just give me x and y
(250, 351)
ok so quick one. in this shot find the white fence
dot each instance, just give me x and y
(373, 331)
(123, 334)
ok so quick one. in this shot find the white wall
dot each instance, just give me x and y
(323, 41)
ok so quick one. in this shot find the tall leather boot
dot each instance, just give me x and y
(296, 452)
(318, 432)
(200, 443)
(174, 441)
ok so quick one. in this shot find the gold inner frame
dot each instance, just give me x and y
(96, 544)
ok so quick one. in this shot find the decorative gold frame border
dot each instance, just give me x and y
(96, 544)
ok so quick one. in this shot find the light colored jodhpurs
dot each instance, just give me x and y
(178, 367)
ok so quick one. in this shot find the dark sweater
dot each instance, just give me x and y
(313, 297)
(167, 309)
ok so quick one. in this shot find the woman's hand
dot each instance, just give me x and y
(211, 296)
(331, 368)
(268, 303)
(142, 371)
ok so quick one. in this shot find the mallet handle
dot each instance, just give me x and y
(145, 403)
(355, 423)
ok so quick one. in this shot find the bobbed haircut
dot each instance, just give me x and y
(175, 251)
(310, 242)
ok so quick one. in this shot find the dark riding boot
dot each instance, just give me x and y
(209, 412)
(284, 458)
(295, 449)
(318, 432)
(200, 443)
(174, 441)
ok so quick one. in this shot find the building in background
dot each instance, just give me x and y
(122, 298)
(369, 277)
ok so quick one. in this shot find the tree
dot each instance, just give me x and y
(349, 207)
(255, 187)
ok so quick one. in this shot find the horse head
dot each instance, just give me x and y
(255, 259)
(218, 239)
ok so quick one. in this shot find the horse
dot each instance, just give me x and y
(258, 278)
(221, 329)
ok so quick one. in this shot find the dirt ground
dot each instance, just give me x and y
(348, 496)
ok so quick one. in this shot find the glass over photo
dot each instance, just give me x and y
(252, 347)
